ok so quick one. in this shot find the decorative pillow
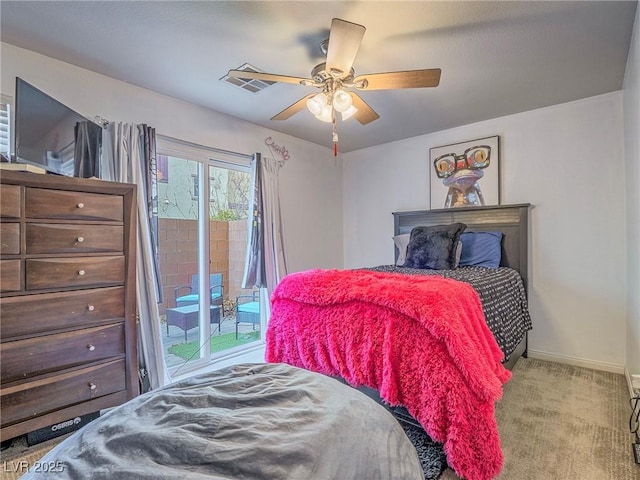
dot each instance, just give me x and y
(434, 247)
(481, 249)
(401, 241)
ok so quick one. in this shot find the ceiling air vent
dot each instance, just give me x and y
(252, 85)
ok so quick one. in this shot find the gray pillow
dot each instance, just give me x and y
(434, 247)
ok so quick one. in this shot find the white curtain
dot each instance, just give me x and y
(265, 261)
(275, 265)
(254, 260)
(123, 160)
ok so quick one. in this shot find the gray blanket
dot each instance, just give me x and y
(250, 421)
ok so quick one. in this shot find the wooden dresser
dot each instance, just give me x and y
(67, 298)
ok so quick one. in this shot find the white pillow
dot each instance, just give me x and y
(458, 253)
(402, 241)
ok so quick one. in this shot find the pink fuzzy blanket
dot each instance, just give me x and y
(422, 342)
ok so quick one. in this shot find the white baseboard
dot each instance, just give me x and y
(631, 382)
(577, 361)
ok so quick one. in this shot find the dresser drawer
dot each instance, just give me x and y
(59, 238)
(43, 203)
(10, 201)
(73, 272)
(10, 275)
(39, 396)
(10, 238)
(56, 311)
(34, 356)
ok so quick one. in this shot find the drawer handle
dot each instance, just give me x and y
(92, 386)
(91, 347)
(80, 239)
(91, 308)
(80, 205)
(81, 272)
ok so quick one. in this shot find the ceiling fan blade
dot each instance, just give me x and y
(266, 77)
(406, 79)
(344, 43)
(293, 109)
(365, 113)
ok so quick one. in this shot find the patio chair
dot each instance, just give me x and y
(191, 298)
(248, 310)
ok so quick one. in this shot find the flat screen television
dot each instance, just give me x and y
(45, 130)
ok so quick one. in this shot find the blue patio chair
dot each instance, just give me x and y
(248, 310)
(215, 287)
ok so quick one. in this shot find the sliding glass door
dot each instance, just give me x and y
(203, 210)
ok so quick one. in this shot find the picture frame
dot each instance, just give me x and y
(465, 174)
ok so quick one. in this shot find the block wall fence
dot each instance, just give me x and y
(178, 256)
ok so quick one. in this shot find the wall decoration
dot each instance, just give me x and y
(465, 174)
(279, 152)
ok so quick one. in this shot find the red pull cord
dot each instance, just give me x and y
(335, 135)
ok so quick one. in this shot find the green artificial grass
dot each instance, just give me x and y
(189, 350)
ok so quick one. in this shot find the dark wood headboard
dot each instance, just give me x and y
(511, 220)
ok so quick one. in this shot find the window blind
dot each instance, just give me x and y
(5, 127)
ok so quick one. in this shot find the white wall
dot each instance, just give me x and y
(310, 182)
(568, 162)
(631, 106)
(579, 251)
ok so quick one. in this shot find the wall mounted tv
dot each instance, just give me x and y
(45, 130)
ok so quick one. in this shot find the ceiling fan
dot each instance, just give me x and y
(337, 79)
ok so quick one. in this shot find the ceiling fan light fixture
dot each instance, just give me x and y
(349, 112)
(317, 103)
(326, 115)
(341, 100)
(337, 80)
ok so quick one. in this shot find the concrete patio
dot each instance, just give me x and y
(176, 336)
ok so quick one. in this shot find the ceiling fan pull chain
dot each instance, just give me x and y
(335, 134)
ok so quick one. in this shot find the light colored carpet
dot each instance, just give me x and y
(18, 458)
(559, 422)
(556, 422)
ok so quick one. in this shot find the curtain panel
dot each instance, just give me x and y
(148, 138)
(254, 260)
(86, 155)
(129, 156)
(265, 261)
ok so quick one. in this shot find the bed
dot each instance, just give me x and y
(251, 421)
(435, 347)
(513, 222)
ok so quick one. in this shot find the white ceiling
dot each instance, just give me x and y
(497, 58)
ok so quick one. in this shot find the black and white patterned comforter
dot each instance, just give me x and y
(501, 293)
